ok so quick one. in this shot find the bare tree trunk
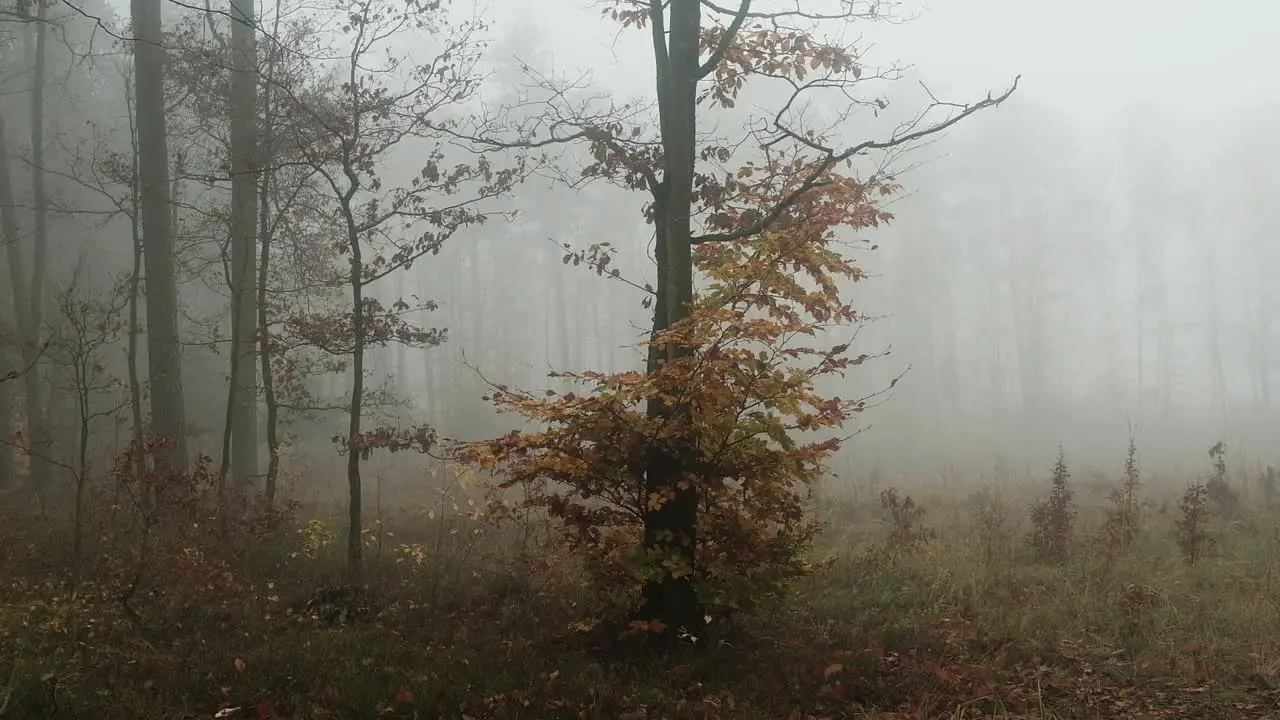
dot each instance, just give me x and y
(996, 374)
(81, 476)
(266, 155)
(264, 352)
(1164, 334)
(244, 218)
(6, 430)
(550, 316)
(1113, 330)
(355, 496)
(558, 352)
(135, 284)
(476, 309)
(598, 326)
(1029, 329)
(1141, 335)
(18, 284)
(437, 403)
(1262, 358)
(942, 337)
(1218, 387)
(9, 361)
(1152, 299)
(37, 422)
(164, 358)
(1263, 321)
(401, 383)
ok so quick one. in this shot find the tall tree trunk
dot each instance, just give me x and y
(9, 361)
(1263, 321)
(996, 374)
(1029, 328)
(81, 473)
(164, 352)
(6, 425)
(437, 404)
(557, 352)
(135, 282)
(670, 530)
(1164, 333)
(264, 350)
(476, 310)
(1218, 377)
(401, 352)
(244, 218)
(1262, 358)
(37, 422)
(1152, 300)
(1141, 336)
(355, 497)
(602, 360)
(550, 315)
(18, 283)
(1113, 361)
(266, 155)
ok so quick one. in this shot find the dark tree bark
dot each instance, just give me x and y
(164, 352)
(10, 238)
(37, 417)
(244, 218)
(6, 424)
(355, 492)
(671, 529)
(135, 284)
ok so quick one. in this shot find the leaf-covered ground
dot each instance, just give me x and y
(457, 623)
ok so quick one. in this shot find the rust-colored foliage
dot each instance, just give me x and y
(751, 386)
(1221, 494)
(158, 529)
(1192, 526)
(715, 474)
(1123, 520)
(1053, 518)
(905, 517)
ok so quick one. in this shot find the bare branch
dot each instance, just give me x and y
(833, 158)
(873, 10)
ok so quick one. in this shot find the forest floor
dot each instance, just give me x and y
(966, 625)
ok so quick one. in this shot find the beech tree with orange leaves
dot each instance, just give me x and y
(686, 483)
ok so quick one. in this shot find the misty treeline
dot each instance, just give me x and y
(1048, 285)
(313, 233)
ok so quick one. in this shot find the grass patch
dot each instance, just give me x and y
(901, 619)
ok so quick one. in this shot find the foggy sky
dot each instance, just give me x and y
(1192, 62)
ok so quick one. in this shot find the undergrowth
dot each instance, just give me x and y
(902, 616)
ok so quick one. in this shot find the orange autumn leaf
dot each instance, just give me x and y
(759, 431)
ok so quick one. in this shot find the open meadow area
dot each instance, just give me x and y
(1161, 604)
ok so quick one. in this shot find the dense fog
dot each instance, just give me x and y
(1095, 254)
